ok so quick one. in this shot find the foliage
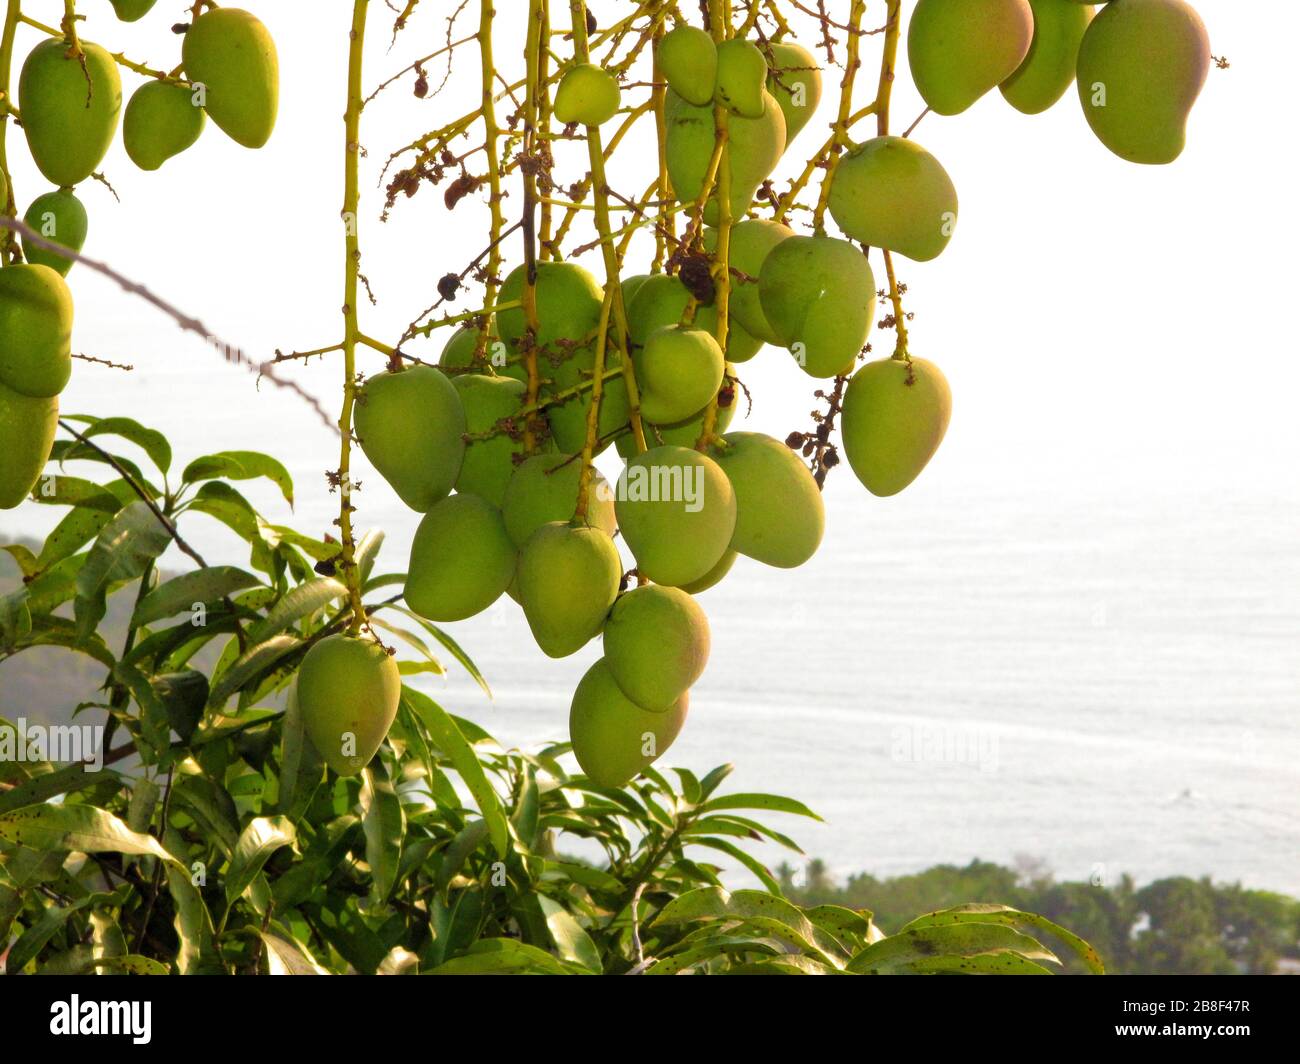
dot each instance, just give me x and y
(225, 845)
(1175, 926)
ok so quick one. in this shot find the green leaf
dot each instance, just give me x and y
(450, 645)
(25, 558)
(152, 442)
(123, 549)
(901, 952)
(301, 767)
(572, 943)
(770, 914)
(39, 789)
(384, 825)
(240, 465)
(50, 631)
(78, 828)
(853, 930)
(774, 803)
(367, 550)
(501, 955)
(263, 836)
(77, 528)
(286, 956)
(302, 600)
(983, 913)
(448, 738)
(132, 964)
(257, 659)
(710, 782)
(33, 940)
(182, 593)
(756, 866)
(193, 925)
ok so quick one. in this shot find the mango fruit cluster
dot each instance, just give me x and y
(71, 103)
(1139, 64)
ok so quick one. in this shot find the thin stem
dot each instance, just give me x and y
(351, 332)
(487, 109)
(8, 242)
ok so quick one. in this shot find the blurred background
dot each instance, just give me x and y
(1072, 646)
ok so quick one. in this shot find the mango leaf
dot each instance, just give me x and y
(774, 803)
(901, 952)
(39, 789)
(255, 660)
(77, 528)
(984, 913)
(302, 600)
(122, 551)
(756, 866)
(23, 556)
(448, 738)
(193, 924)
(240, 465)
(64, 490)
(501, 955)
(710, 782)
(152, 442)
(572, 943)
(263, 836)
(770, 914)
(995, 962)
(384, 825)
(50, 631)
(33, 940)
(367, 550)
(450, 645)
(180, 594)
(288, 956)
(708, 950)
(131, 964)
(301, 767)
(78, 828)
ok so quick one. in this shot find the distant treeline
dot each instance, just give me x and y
(1173, 926)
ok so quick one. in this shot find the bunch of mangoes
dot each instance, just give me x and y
(507, 508)
(1139, 64)
(70, 98)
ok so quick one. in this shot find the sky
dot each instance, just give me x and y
(1105, 327)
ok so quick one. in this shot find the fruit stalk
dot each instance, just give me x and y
(884, 92)
(613, 288)
(666, 229)
(351, 331)
(840, 136)
(491, 132)
(720, 26)
(533, 56)
(8, 241)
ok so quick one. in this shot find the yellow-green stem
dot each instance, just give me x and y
(8, 241)
(351, 332)
(487, 109)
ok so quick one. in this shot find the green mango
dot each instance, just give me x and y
(713, 577)
(27, 429)
(891, 193)
(58, 216)
(656, 645)
(488, 464)
(568, 580)
(1142, 65)
(795, 82)
(677, 513)
(894, 417)
(780, 516)
(348, 689)
(751, 242)
(411, 426)
(680, 433)
(161, 120)
(661, 300)
(544, 488)
(960, 49)
(755, 145)
(741, 78)
(678, 370)
(613, 738)
(631, 286)
(688, 60)
(462, 559)
(819, 295)
(1049, 67)
(568, 420)
(69, 121)
(35, 330)
(459, 353)
(587, 94)
(569, 301)
(132, 10)
(232, 55)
